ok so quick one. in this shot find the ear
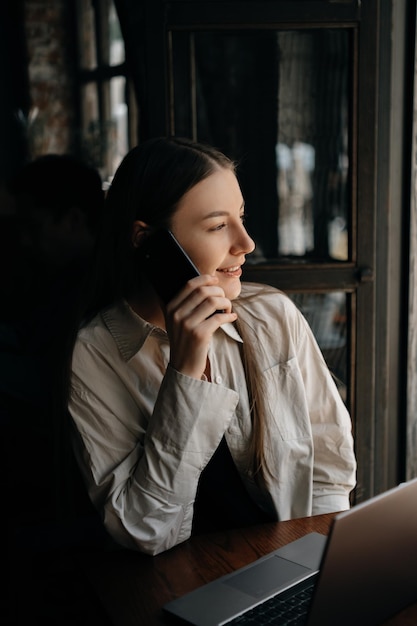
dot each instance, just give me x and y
(139, 231)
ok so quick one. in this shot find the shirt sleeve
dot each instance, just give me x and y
(142, 470)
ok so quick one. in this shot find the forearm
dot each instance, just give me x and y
(147, 497)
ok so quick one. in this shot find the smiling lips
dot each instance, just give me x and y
(236, 270)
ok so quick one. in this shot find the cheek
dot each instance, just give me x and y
(203, 257)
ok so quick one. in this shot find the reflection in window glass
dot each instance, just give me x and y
(326, 315)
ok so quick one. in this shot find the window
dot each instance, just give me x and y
(107, 106)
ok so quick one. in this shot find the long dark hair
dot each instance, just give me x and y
(147, 186)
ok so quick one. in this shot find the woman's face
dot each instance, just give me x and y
(208, 223)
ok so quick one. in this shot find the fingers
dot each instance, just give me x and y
(191, 319)
(201, 296)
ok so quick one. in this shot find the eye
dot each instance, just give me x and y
(219, 226)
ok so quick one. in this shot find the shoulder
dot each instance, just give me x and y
(270, 313)
(115, 329)
(256, 298)
(98, 333)
(93, 336)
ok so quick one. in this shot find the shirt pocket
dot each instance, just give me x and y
(287, 401)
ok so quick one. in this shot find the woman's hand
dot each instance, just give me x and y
(191, 320)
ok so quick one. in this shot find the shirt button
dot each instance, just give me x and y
(218, 379)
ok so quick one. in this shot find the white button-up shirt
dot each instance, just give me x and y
(144, 432)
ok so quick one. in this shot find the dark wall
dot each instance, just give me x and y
(14, 95)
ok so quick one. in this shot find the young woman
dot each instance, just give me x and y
(187, 418)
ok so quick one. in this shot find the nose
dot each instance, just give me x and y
(243, 244)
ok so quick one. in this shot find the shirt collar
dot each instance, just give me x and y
(231, 330)
(126, 327)
(130, 331)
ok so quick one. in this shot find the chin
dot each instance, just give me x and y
(233, 292)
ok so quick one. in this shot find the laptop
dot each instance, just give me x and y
(363, 573)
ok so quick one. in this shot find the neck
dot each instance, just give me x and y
(147, 306)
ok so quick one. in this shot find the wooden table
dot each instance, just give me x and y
(133, 587)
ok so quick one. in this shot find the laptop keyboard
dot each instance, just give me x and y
(290, 607)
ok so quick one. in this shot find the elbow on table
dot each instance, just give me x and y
(149, 534)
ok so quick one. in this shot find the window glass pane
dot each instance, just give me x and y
(117, 48)
(277, 102)
(86, 30)
(92, 139)
(312, 150)
(118, 143)
(326, 315)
